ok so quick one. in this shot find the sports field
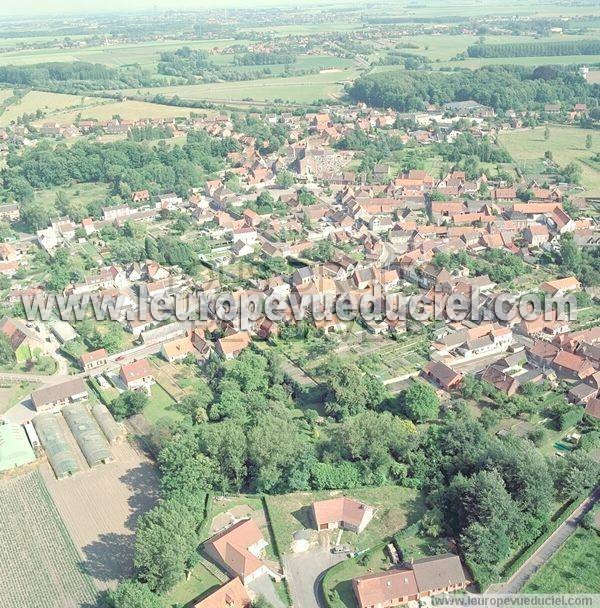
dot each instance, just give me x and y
(568, 144)
(40, 565)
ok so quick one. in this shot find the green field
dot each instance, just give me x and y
(127, 110)
(49, 103)
(301, 89)
(527, 147)
(40, 564)
(575, 568)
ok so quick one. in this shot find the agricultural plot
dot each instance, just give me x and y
(568, 144)
(100, 508)
(300, 89)
(126, 110)
(48, 103)
(40, 564)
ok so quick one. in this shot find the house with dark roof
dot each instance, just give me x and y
(427, 576)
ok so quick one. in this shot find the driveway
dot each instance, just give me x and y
(264, 586)
(304, 572)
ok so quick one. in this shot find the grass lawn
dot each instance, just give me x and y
(575, 568)
(11, 394)
(395, 509)
(85, 192)
(160, 406)
(201, 581)
(567, 144)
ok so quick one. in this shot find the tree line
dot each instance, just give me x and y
(536, 49)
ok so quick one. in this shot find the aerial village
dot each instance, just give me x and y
(303, 218)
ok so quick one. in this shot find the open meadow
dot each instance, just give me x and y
(568, 144)
(301, 89)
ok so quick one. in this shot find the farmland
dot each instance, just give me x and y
(301, 89)
(48, 103)
(127, 110)
(40, 565)
(100, 507)
(527, 147)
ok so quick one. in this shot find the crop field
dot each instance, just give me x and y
(40, 564)
(49, 103)
(301, 89)
(127, 110)
(527, 148)
(575, 568)
(100, 508)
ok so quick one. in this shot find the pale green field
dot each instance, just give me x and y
(567, 145)
(301, 89)
(127, 110)
(49, 103)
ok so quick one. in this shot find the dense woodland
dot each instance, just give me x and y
(499, 87)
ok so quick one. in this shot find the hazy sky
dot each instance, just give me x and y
(37, 7)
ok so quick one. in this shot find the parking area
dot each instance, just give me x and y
(304, 572)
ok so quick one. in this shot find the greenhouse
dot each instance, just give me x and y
(61, 456)
(112, 430)
(87, 434)
(15, 450)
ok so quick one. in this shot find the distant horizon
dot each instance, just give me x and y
(42, 8)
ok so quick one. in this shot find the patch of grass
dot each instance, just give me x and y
(396, 508)
(200, 582)
(301, 89)
(160, 406)
(575, 568)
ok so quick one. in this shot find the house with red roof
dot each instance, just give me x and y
(342, 512)
(238, 550)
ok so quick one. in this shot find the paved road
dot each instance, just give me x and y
(118, 358)
(547, 550)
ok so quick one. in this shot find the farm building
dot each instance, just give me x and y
(57, 395)
(87, 434)
(15, 450)
(113, 431)
(61, 456)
